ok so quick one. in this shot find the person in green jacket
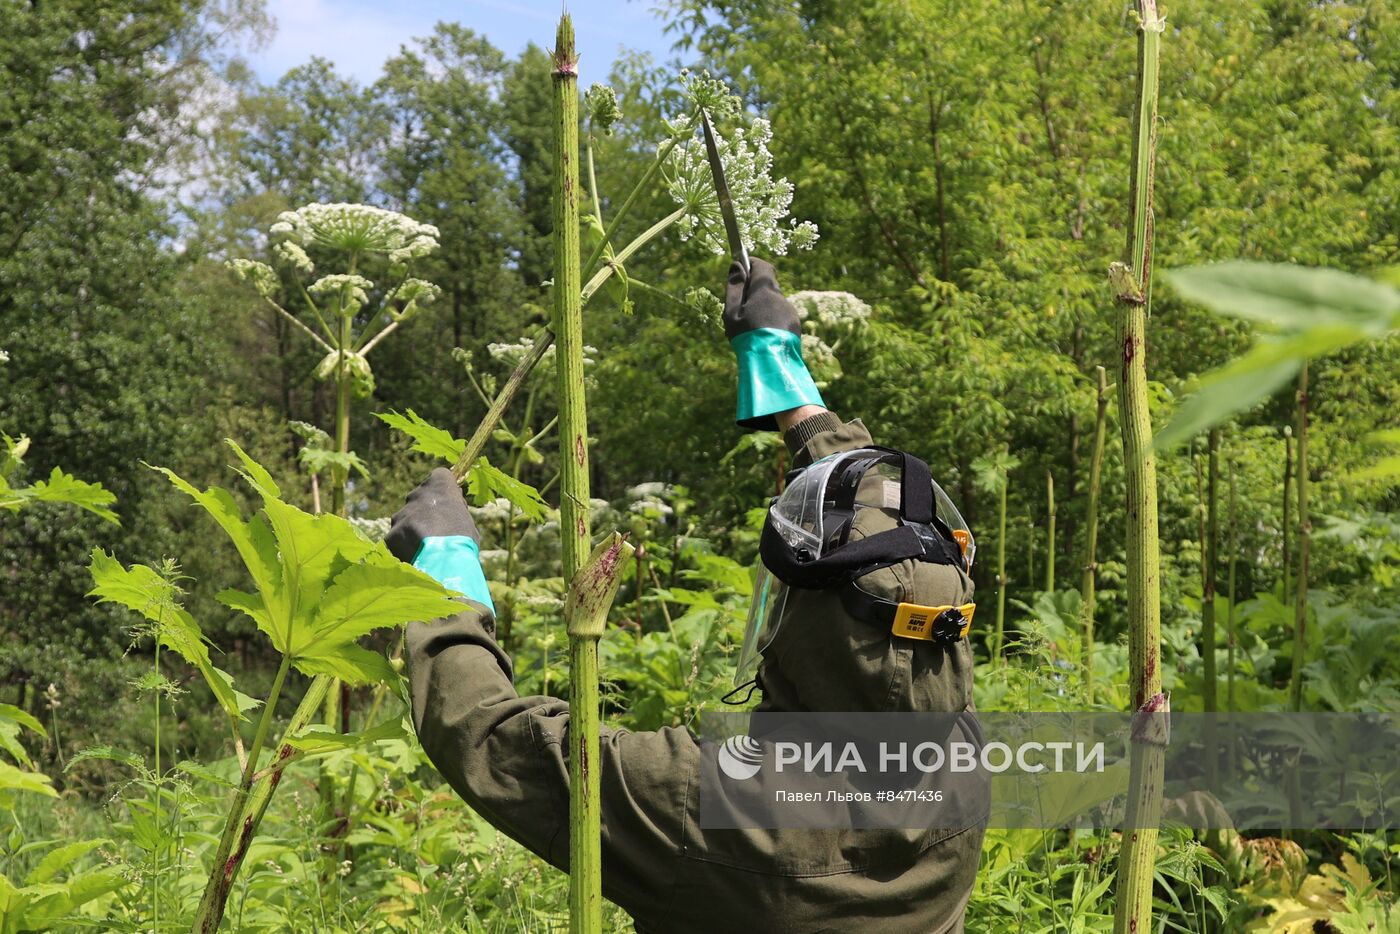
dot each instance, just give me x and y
(506, 755)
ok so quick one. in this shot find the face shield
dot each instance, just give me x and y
(810, 522)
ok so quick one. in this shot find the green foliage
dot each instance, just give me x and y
(40, 902)
(484, 482)
(318, 453)
(1315, 312)
(59, 488)
(320, 585)
(19, 778)
(155, 596)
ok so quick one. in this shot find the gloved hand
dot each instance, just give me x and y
(436, 534)
(764, 331)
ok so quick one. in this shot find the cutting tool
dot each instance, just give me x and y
(726, 203)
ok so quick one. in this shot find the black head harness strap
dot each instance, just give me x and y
(921, 535)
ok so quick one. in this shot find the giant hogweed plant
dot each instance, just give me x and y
(762, 204)
(351, 314)
(318, 587)
(340, 310)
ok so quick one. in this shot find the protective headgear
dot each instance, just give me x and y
(805, 545)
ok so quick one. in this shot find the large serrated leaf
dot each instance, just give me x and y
(65, 488)
(427, 438)
(351, 663)
(252, 606)
(486, 483)
(252, 538)
(380, 591)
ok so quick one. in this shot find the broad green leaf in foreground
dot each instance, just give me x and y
(1246, 381)
(13, 778)
(41, 906)
(9, 733)
(1291, 298)
(61, 858)
(319, 584)
(1317, 311)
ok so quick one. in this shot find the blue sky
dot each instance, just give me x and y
(358, 35)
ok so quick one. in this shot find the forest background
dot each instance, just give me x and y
(966, 168)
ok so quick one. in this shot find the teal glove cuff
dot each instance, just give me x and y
(772, 376)
(454, 561)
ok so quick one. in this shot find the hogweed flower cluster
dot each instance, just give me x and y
(827, 318)
(831, 311)
(761, 202)
(600, 103)
(356, 228)
(511, 353)
(351, 233)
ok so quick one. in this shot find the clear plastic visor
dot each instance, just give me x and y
(765, 614)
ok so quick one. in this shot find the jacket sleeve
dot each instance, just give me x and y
(507, 756)
(819, 435)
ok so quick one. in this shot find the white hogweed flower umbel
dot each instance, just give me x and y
(831, 310)
(358, 228)
(761, 202)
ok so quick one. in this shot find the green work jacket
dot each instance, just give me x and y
(507, 756)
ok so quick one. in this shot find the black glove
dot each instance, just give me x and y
(766, 336)
(435, 509)
(756, 301)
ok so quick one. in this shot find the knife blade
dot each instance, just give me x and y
(726, 203)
